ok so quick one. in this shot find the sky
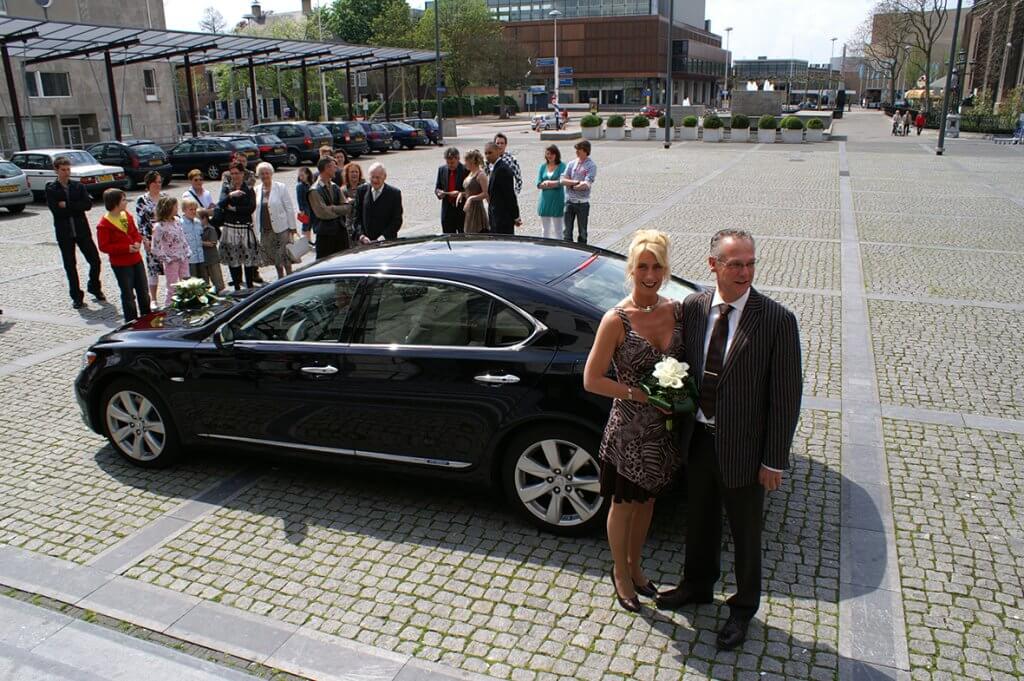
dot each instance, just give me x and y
(772, 28)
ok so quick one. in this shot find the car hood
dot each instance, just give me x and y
(171, 322)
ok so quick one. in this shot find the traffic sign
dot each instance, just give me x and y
(565, 70)
(537, 89)
(442, 89)
(545, 61)
(564, 82)
(647, 92)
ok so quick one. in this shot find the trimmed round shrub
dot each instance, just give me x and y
(739, 122)
(641, 121)
(591, 121)
(689, 122)
(616, 121)
(815, 124)
(766, 122)
(792, 123)
(713, 122)
(661, 121)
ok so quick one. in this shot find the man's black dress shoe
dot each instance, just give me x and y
(78, 304)
(98, 295)
(630, 604)
(648, 590)
(680, 596)
(733, 633)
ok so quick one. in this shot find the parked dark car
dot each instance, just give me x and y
(303, 139)
(404, 135)
(270, 147)
(350, 136)
(377, 136)
(428, 126)
(440, 362)
(137, 157)
(212, 155)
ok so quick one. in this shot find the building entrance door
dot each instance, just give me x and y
(71, 132)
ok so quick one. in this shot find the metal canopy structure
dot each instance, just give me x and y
(38, 42)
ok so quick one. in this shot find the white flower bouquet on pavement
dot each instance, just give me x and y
(671, 387)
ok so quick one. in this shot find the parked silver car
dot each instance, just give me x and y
(38, 167)
(14, 191)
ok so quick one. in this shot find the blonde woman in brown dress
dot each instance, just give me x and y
(474, 193)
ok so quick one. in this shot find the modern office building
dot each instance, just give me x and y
(65, 103)
(617, 50)
(804, 81)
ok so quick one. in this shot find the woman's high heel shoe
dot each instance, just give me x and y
(630, 604)
(648, 590)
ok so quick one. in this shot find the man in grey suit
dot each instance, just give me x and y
(745, 349)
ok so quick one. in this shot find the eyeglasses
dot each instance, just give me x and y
(738, 265)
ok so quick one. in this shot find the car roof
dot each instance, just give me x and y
(50, 151)
(530, 259)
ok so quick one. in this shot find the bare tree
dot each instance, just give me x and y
(212, 21)
(924, 20)
(880, 41)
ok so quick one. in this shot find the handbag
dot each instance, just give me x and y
(297, 249)
(217, 217)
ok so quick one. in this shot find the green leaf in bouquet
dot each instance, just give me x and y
(684, 405)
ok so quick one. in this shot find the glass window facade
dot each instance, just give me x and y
(538, 10)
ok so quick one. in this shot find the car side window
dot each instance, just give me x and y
(183, 148)
(314, 312)
(414, 312)
(38, 162)
(508, 327)
(20, 160)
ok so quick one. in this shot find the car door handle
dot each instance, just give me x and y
(320, 371)
(504, 379)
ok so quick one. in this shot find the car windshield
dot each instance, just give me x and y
(8, 169)
(602, 283)
(79, 158)
(319, 130)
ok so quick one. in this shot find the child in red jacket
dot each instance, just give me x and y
(919, 122)
(120, 239)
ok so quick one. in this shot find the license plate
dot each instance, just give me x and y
(250, 154)
(280, 150)
(8, 189)
(106, 178)
(155, 161)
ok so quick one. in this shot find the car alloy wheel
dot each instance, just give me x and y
(396, 145)
(293, 158)
(213, 172)
(136, 426)
(557, 482)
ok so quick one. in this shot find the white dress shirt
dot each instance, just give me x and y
(376, 193)
(734, 323)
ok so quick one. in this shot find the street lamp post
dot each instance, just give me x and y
(949, 80)
(668, 79)
(903, 72)
(831, 56)
(437, 70)
(554, 14)
(728, 64)
(323, 78)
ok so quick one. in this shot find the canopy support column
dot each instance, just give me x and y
(348, 91)
(19, 129)
(419, 93)
(387, 95)
(252, 91)
(112, 92)
(305, 91)
(193, 117)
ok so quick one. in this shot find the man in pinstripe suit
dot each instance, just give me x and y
(747, 351)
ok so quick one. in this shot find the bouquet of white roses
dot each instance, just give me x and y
(671, 388)
(192, 294)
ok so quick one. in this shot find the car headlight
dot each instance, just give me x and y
(87, 359)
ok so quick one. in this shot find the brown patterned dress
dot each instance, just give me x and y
(639, 456)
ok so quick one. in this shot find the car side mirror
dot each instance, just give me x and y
(224, 337)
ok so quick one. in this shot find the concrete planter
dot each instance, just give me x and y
(689, 134)
(652, 133)
(615, 133)
(713, 135)
(815, 135)
(592, 133)
(741, 135)
(792, 136)
(765, 136)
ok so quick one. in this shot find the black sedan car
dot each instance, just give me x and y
(377, 136)
(137, 157)
(429, 127)
(404, 135)
(212, 155)
(270, 147)
(349, 136)
(453, 356)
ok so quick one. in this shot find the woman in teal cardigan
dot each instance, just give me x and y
(552, 194)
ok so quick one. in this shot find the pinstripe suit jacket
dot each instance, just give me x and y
(758, 399)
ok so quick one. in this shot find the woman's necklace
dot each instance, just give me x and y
(645, 308)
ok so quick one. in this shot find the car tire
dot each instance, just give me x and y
(139, 425)
(553, 470)
(396, 145)
(212, 172)
(16, 209)
(293, 158)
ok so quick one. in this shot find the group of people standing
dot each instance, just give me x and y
(494, 177)
(901, 121)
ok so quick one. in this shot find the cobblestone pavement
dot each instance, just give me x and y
(449, 575)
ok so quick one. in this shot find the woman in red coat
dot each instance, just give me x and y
(120, 239)
(919, 121)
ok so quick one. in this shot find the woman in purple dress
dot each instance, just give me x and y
(638, 455)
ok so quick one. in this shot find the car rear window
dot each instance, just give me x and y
(8, 169)
(243, 144)
(79, 158)
(319, 130)
(147, 149)
(378, 127)
(601, 282)
(403, 126)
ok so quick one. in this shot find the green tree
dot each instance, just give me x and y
(503, 63)
(466, 26)
(394, 26)
(352, 20)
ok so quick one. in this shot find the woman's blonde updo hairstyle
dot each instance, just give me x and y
(653, 241)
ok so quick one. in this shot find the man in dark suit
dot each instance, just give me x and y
(69, 202)
(503, 206)
(329, 209)
(378, 208)
(745, 349)
(449, 183)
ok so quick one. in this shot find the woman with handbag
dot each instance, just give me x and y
(352, 177)
(145, 218)
(274, 219)
(239, 248)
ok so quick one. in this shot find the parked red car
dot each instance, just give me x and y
(651, 112)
